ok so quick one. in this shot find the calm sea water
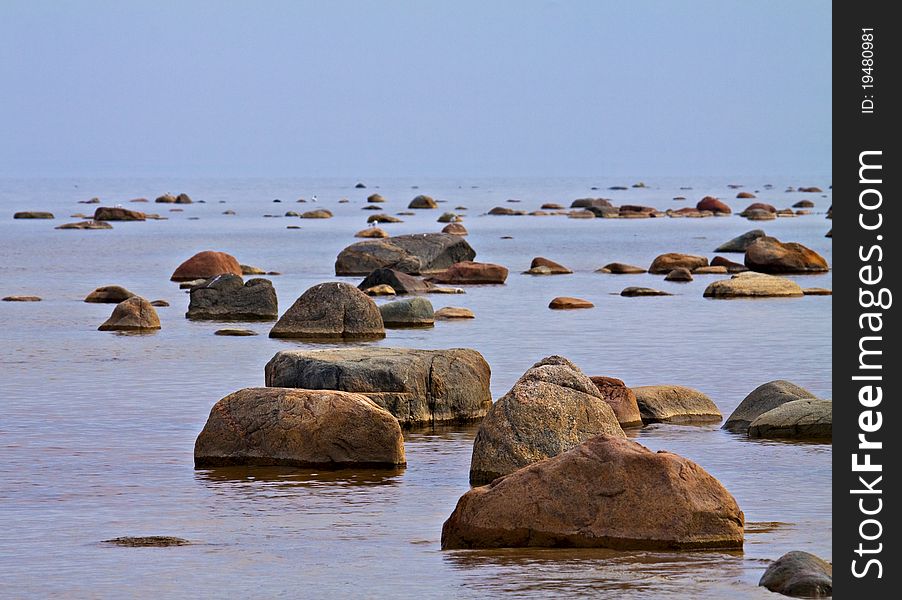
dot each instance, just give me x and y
(97, 429)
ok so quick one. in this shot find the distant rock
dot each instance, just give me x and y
(503, 210)
(675, 404)
(413, 254)
(159, 303)
(552, 206)
(375, 199)
(331, 311)
(165, 199)
(455, 229)
(231, 332)
(410, 312)
(118, 214)
(769, 255)
(147, 541)
(383, 218)
(634, 211)
(227, 297)
(418, 387)
(133, 314)
(402, 283)
(665, 263)
(206, 264)
(183, 199)
(91, 201)
(810, 190)
(548, 267)
(22, 299)
(621, 399)
(550, 409)
(321, 213)
(799, 574)
(803, 204)
(729, 265)
(581, 214)
(817, 291)
(85, 225)
(714, 205)
(759, 214)
(621, 269)
(372, 232)
(380, 290)
(448, 217)
(711, 270)
(300, 428)
(607, 492)
(567, 302)
(109, 294)
(679, 274)
(753, 285)
(742, 242)
(33, 214)
(584, 203)
(763, 398)
(604, 212)
(636, 292)
(449, 313)
(756, 206)
(745, 195)
(422, 201)
(470, 273)
(808, 419)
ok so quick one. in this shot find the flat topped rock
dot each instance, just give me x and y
(544, 266)
(400, 282)
(665, 263)
(106, 213)
(471, 273)
(621, 269)
(133, 314)
(568, 302)
(332, 310)
(147, 541)
(448, 313)
(799, 574)
(763, 398)
(419, 387)
(409, 312)
(85, 225)
(675, 404)
(805, 419)
(235, 332)
(228, 297)
(608, 492)
(22, 299)
(754, 285)
(550, 409)
(413, 254)
(301, 428)
(635, 292)
(33, 214)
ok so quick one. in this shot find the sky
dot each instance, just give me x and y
(356, 88)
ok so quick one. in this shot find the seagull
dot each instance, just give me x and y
(314, 197)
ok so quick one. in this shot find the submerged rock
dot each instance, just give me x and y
(763, 398)
(636, 292)
(423, 201)
(550, 409)
(729, 265)
(206, 264)
(232, 332)
(714, 205)
(799, 574)
(228, 297)
(147, 541)
(665, 263)
(301, 428)
(33, 214)
(455, 229)
(132, 314)
(805, 419)
(321, 213)
(22, 299)
(679, 274)
(544, 266)
(567, 302)
(675, 404)
(449, 313)
(371, 232)
(410, 312)
(331, 311)
(118, 214)
(109, 294)
(607, 492)
(418, 387)
(85, 225)
(753, 285)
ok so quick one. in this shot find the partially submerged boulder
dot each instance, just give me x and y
(33, 214)
(714, 205)
(419, 387)
(85, 225)
(449, 313)
(401, 283)
(753, 285)
(680, 274)
(607, 492)
(665, 263)
(550, 409)
(104, 213)
(742, 242)
(109, 294)
(763, 398)
(455, 229)
(423, 201)
(412, 254)
(621, 398)
(544, 266)
(799, 574)
(132, 314)
(300, 428)
(410, 312)
(808, 419)
(229, 298)
(675, 404)
(638, 292)
(206, 264)
(331, 311)
(568, 303)
(621, 269)
(469, 272)
(770, 255)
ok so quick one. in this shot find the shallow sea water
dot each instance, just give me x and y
(97, 429)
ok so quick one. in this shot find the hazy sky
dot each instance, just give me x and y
(390, 88)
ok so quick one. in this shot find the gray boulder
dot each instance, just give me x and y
(552, 408)
(410, 312)
(742, 242)
(228, 297)
(413, 254)
(402, 283)
(807, 419)
(799, 574)
(675, 404)
(763, 398)
(419, 387)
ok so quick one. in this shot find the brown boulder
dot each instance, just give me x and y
(371, 232)
(607, 492)
(567, 302)
(331, 311)
(550, 409)
(810, 190)
(300, 428)
(543, 266)
(133, 314)
(621, 398)
(414, 254)
(33, 214)
(620, 269)
(109, 294)
(383, 218)
(118, 214)
(679, 274)
(85, 225)
(206, 264)
(449, 313)
(753, 285)
(758, 206)
(769, 255)
(745, 195)
(321, 213)
(401, 283)
(714, 205)
(422, 201)
(454, 229)
(711, 270)
(469, 272)
(22, 299)
(675, 404)
(665, 263)
(803, 204)
(375, 198)
(731, 267)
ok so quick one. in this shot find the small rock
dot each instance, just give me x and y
(159, 303)
(449, 313)
(729, 265)
(679, 274)
(742, 242)
(22, 299)
(714, 205)
(634, 292)
(383, 218)
(758, 214)
(620, 269)
(763, 398)
(410, 312)
(810, 190)
(187, 285)
(549, 267)
(165, 199)
(448, 218)
(375, 198)
(711, 270)
(745, 195)
(567, 302)
(815, 291)
(422, 201)
(503, 210)
(665, 263)
(803, 204)
(552, 206)
(118, 214)
(321, 213)
(753, 285)
(799, 574)
(235, 332)
(758, 206)
(809, 419)
(621, 399)
(380, 290)
(109, 294)
(133, 314)
(33, 215)
(583, 203)
(249, 270)
(150, 541)
(85, 225)
(469, 272)
(675, 404)
(581, 214)
(206, 264)
(371, 232)
(455, 229)
(401, 283)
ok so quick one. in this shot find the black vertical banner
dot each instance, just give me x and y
(867, 439)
